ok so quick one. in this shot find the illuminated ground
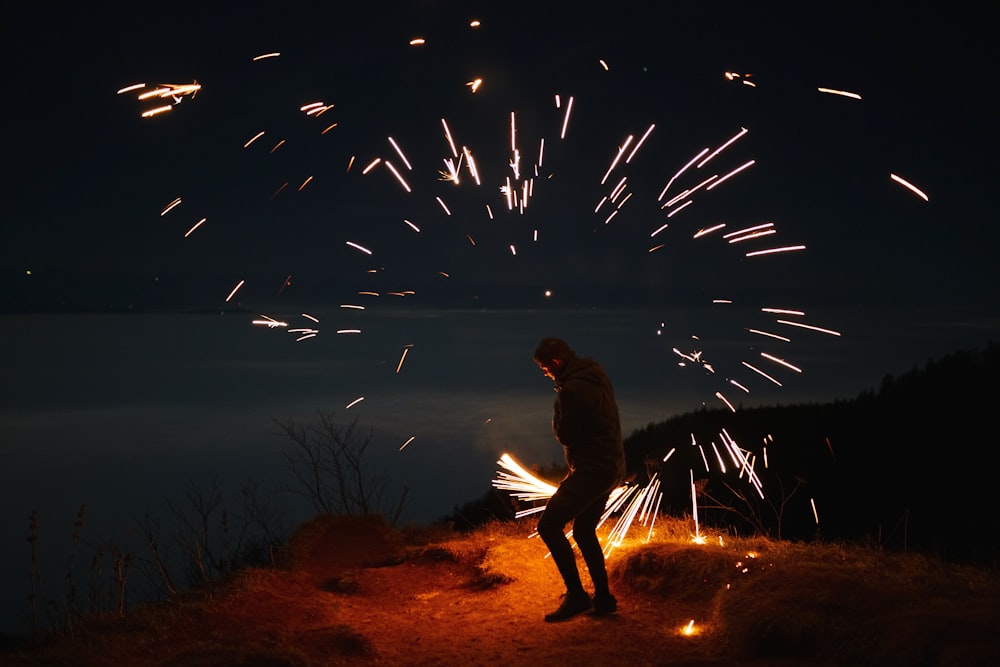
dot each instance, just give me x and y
(355, 593)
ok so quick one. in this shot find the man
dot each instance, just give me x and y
(585, 422)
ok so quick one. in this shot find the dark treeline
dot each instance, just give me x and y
(909, 466)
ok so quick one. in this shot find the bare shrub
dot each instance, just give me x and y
(330, 469)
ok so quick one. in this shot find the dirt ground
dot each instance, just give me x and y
(374, 599)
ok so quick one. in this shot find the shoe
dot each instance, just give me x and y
(605, 605)
(572, 605)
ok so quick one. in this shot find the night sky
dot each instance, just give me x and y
(89, 177)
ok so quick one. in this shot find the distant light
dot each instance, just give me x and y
(474, 23)
(417, 41)
(548, 293)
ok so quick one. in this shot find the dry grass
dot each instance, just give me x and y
(351, 591)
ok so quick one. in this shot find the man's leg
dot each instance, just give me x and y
(559, 511)
(570, 499)
(585, 534)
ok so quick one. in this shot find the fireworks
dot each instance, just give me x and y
(490, 190)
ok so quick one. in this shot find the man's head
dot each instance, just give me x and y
(552, 354)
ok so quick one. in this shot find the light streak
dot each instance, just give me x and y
(812, 502)
(565, 125)
(694, 507)
(474, 85)
(255, 138)
(471, 164)
(780, 361)
(521, 483)
(689, 191)
(603, 64)
(770, 335)
(305, 183)
(328, 128)
(417, 41)
(708, 230)
(738, 385)
(659, 229)
(348, 331)
(400, 152)
(681, 171)
(762, 373)
(262, 56)
(235, 289)
(842, 93)
(170, 206)
(412, 226)
(690, 630)
(772, 251)
(810, 327)
(359, 247)
(270, 323)
(718, 457)
(441, 202)
(412, 437)
(128, 89)
(618, 188)
(196, 226)
(722, 398)
(402, 357)
(278, 145)
(371, 165)
(313, 319)
(781, 311)
(680, 208)
(614, 162)
(153, 112)
(723, 147)
(639, 143)
(748, 232)
(447, 135)
(725, 178)
(398, 176)
(910, 186)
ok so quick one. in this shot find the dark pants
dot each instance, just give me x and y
(580, 499)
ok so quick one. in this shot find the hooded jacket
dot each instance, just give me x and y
(585, 420)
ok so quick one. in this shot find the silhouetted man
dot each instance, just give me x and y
(585, 422)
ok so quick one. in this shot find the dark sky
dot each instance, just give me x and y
(87, 177)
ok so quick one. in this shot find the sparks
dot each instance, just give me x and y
(772, 251)
(235, 289)
(196, 226)
(842, 93)
(910, 186)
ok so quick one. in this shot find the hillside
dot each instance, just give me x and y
(352, 591)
